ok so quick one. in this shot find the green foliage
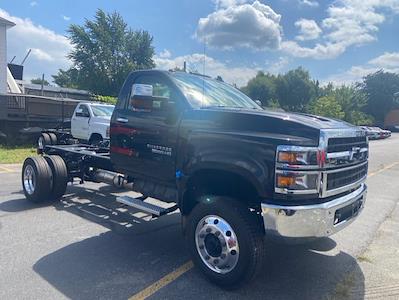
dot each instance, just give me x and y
(69, 78)
(105, 51)
(15, 154)
(295, 90)
(262, 87)
(379, 89)
(105, 99)
(39, 81)
(326, 106)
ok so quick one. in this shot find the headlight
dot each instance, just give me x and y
(297, 169)
(293, 155)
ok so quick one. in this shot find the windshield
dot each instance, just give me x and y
(203, 92)
(102, 110)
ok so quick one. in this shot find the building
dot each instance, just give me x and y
(4, 25)
(27, 108)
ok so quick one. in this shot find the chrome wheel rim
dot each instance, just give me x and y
(217, 244)
(29, 179)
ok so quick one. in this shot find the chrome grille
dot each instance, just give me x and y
(346, 177)
(346, 161)
(340, 144)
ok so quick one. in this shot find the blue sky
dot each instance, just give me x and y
(340, 40)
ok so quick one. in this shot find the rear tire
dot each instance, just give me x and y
(36, 179)
(60, 176)
(95, 139)
(53, 138)
(43, 140)
(227, 257)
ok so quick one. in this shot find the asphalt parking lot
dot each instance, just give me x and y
(88, 246)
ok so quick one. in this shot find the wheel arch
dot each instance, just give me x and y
(219, 181)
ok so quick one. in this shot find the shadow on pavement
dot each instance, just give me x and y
(132, 255)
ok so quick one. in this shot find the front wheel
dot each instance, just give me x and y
(226, 241)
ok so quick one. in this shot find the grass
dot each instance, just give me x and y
(16, 154)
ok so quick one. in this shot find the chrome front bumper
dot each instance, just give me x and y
(309, 221)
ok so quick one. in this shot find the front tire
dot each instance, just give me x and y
(226, 241)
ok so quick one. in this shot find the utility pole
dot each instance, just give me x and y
(42, 91)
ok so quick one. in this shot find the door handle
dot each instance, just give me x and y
(122, 120)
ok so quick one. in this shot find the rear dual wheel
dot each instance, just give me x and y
(46, 138)
(44, 178)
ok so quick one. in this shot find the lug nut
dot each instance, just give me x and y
(207, 257)
(233, 252)
(201, 247)
(202, 236)
(215, 221)
(208, 230)
(217, 233)
(228, 233)
(223, 256)
(216, 261)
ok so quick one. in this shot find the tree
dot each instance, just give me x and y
(105, 51)
(69, 78)
(352, 101)
(295, 90)
(262, 87)
(326, 106)
(219, 78)
(379, 89)
(39, 81)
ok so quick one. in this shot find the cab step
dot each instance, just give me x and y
(139, 204)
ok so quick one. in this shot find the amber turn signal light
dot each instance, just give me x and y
(287, 157)
(285, 181)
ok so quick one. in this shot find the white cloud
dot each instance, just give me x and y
(165, 54)
(319, 51)
(47, 46)
(311, 3)
(213, 67)
(40, 54)
(278, 66)
(308, 30)
(66, 18)
(228, 3)
(349, 23)
(33, 3)
(389, 62)
(254, 26)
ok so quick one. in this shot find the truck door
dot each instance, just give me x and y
(80, 122)
(144, 132)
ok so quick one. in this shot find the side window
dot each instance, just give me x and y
(82, 111)
(149, 94)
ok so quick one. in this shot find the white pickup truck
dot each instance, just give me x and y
(91, 121)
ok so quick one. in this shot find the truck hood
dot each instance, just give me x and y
(292, 127)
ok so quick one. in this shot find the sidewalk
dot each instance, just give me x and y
(378, 274)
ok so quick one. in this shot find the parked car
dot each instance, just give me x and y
(372, 134)
(375, 133)
(91, 122)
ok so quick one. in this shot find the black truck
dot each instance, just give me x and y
(239, 174)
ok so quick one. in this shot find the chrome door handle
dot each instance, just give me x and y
(122, 120)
